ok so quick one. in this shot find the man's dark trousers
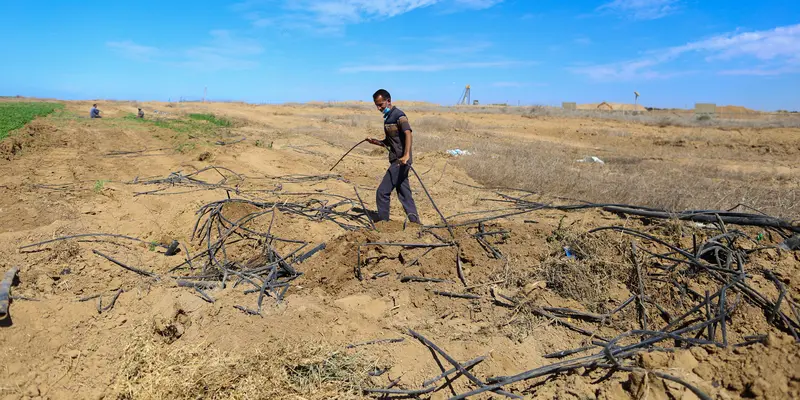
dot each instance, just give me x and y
(396, 178)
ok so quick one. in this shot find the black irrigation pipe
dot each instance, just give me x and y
(92, 235)
(586, 361)
(87, 298)
(408, 245)
(565, 353)
(738, 284)
(129, 268)
(200, 284)
(272, 273)
(427, 386)
(459, 267)
(416, 260)
(457, 295)
(377, 341)
(101, 309)
(467, 366)
(487, 219)
(542, 313)
(458, 365)
(299, 178)
(345, 154)
(640, 308)
(433, 203)
(122, 152)
(308, 254)
(371, 223)
(710, 217)
(204, 295)
(223, 143)
(408, 278)
(566, 312)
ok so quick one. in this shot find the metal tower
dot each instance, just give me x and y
(465, 97)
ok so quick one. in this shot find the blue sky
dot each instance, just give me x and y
(673, 52)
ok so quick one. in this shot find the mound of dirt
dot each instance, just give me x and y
(611, 106)
(736, 110)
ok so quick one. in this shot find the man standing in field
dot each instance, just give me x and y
(94, 112)
(397, 139)
(140, 114)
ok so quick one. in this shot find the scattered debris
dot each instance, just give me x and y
(591, 159)
(458, 152)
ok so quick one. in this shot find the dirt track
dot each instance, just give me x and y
(57, 347)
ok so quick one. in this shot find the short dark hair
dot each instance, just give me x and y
(94, 105)
(383, 93)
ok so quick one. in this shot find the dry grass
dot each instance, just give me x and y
(666, 118)
(551, 170)
(152, 370)
(585, 276)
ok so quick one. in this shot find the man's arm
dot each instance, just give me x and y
(407, 152)
(376, 142)
(404, 126)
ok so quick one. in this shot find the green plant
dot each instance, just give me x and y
(186, 147)
(14, 115)
(99, 185)
(218, 121)
(152, 246)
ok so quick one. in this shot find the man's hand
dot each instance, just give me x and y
(374, 141)
(403, 160)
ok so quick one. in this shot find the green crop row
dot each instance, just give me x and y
(14, 115)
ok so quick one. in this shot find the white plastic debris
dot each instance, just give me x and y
(591, 159)
(458, 152)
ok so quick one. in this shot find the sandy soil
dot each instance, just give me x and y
(59, 177)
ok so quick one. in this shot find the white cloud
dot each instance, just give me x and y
(642, 9)
(224, 51)
(583, 41)
(477, 4)
(132, 50)
(439, 53)
(335, 14)
(432, 67)
(763, 71)
(772, 52)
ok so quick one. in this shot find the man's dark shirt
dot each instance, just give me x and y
(395, 124)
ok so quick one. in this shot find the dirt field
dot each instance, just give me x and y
(148, 336)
